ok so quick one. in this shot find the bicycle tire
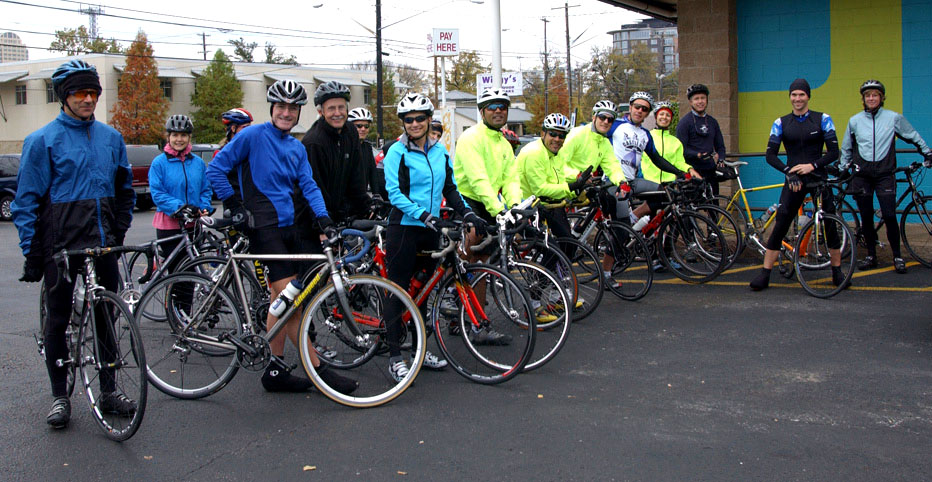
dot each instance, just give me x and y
(631, 273)
(697, 247)
(811, 256)
(544, 254)
(728, 225)
(589, 277)
(491, 364)
(127, 366)
(256, 295)
(919, 243)
(375, 384)
(180, 364)
(542, 285)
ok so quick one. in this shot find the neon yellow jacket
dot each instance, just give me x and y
(541, 172)
(669, 148)
(585, 147)
(484, 165)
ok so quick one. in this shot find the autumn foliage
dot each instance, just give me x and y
(141, 109)
(557, 100)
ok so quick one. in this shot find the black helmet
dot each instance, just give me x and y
(696, 89)
(330, 90)
(873, 84)
(179, 123)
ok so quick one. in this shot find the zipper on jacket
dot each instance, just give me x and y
(185, 172)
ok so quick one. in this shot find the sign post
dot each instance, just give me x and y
(443, 43)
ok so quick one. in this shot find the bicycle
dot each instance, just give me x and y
(812, 250)
(104, 343)
(209, 338)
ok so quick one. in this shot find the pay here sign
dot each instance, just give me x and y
(445, 42)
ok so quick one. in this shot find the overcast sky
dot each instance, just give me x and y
(335, 33)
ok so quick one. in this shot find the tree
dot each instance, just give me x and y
(242, 50)
(609, 79)
(557, 99)
(462, 75)
(141, 108)
(273, 57)
(415, 78)
(215, 92)
(78, 41)
(391, 124)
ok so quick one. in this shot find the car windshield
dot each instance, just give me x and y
(9, 166)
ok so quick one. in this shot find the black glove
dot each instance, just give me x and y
(482, 227)
(794, 182)
(326, 225)
(927, 161)
(33, 269)
(833, 170)
(435, 224)
(581, 180)
(376, 203)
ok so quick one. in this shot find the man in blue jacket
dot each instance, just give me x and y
(74, 192)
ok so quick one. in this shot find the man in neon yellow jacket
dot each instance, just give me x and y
(588, 145)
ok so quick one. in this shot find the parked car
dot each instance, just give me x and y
(9, 167)
(205, 151)
(140, 157)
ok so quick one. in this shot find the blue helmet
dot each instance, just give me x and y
(70, 68)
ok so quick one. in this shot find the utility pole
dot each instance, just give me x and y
(546, 69)
(93, 12)
(569, 70)
(378, 66)
(204, 43)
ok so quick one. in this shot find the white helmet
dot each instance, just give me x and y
(663, 105)
(556, 122)
(605, 106)
(489, 96)
(286, 92)
(359, 114)
(414, 102)
(643, 96)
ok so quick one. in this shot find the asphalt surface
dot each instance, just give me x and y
(704, 382)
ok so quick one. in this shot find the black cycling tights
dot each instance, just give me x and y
(888, 213)
(402, 244)
(789, 207)
(59, 296)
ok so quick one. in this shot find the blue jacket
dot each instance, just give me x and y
(417, 182)
(869, 141)
(269, 164)
(174, 183)
(75, 187)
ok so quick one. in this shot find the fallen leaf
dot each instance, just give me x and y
(173, 371)
(402, 473)
(308, 468)
(147, 457)
(65, 465)
(421, 442)
(669, 386)
(540, 395)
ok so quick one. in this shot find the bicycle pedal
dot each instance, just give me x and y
(40, 344)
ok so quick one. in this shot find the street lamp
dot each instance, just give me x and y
(660, 78)
(627, 73)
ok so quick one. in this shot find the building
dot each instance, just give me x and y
(12, 48)
(658, 35)
(27, 101)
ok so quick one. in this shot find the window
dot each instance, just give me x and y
(49, 93)
(20, 95)
(367, 96)
(668, 50)
(639, 34)
(166, 86)
(9, 165)
(667, 41)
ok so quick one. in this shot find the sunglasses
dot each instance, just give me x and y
(605, 118)
(362, 126)
(641, 107)
(557, 134)
(497, 106)
(411, 120)
(82, 94)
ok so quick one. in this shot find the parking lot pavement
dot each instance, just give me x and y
(707, 382)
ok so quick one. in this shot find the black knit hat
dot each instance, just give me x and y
(800, 84)
(79, 81)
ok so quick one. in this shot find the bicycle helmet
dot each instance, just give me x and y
(436, 125)
(75, 74)
(359, 114)
(330, 90)
(489, 96)
(606, 106)
(556, 122)
(642, 96)
(873, 84)
(236, 117)
(413, 102)
(179, 123)
(663, 105)
(287, 92)
(696, 89)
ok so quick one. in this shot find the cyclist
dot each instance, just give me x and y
(269, 164)
(418, 177)
(869, 145)
(802, 132)
(177, 178)
(335, 157)
(74, 192)
(234, 120)
(361, 118)
(703, 144)
(667, 145)
(436, 129)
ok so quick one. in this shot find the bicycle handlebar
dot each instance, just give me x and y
(365, 245)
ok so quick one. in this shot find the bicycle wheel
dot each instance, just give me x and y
(916, 230)
(352, 327)
(627, 256)
(812, 257)
(692, 247)
(111, 358)
(187, 357)
(489, 338)
(552, 258)
(257, 296)
(589, 277)
(549, 301)
(136, 276)
(728, 225)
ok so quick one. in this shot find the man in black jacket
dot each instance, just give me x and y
(334, 153)
(703, 144)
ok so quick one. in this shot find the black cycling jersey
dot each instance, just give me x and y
(803, 137)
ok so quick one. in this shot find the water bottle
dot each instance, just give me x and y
(641, 223)
(772, 209)
(285, 298)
